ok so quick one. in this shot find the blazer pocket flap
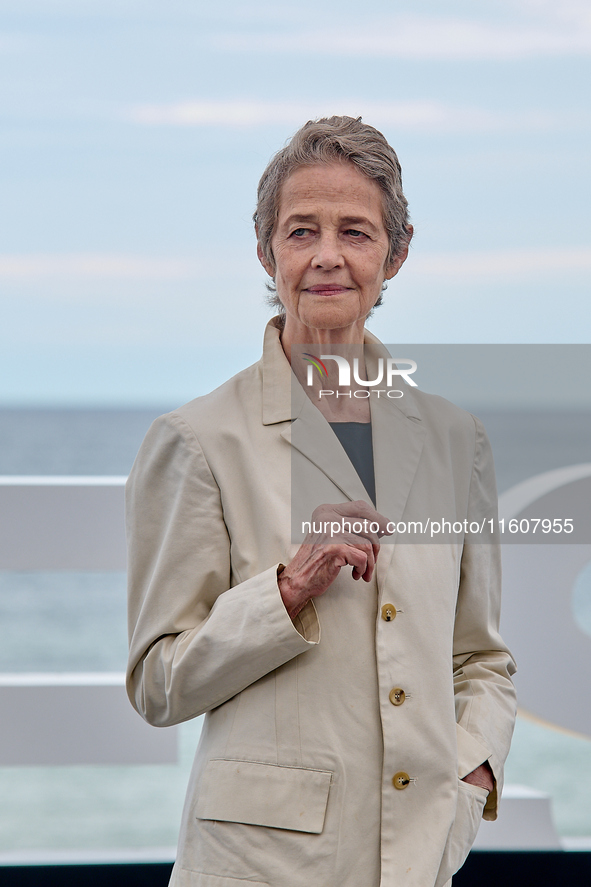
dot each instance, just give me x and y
(264, 794)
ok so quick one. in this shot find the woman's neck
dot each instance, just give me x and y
(299, 334)
(320, 376)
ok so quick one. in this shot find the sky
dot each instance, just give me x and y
(134, 134)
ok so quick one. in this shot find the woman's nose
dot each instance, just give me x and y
(328, 253)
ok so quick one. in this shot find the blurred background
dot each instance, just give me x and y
(135, 134)
(133, 137)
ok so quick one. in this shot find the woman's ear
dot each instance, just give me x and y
(269, 268)
(399, 260)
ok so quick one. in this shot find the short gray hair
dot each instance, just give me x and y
(327, 140)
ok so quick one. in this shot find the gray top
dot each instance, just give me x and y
(356, 440)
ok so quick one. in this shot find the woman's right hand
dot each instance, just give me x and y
(322, 554)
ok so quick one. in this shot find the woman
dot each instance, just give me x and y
(354, 731)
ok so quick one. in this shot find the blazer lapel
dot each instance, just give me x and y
(313, 437)
(398, 439)
(308, 432)
(397, 432)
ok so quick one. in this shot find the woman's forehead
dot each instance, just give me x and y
(337, 186)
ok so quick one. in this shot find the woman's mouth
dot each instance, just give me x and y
(327, 289)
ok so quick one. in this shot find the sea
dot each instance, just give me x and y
(76, 622)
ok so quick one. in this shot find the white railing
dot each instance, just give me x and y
(69, 523)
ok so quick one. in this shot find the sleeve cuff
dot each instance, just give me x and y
(471, 753)
(306, 623)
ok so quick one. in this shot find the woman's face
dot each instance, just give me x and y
(331, 251)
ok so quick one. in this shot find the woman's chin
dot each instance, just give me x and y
(329, 316)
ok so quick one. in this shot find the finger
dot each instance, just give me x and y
(365, 512)
(359, 541)
(353, 556)
(359, 556)
(370, 549)
(371, 564)
(345, 532)
(344, 515)
(362, 559)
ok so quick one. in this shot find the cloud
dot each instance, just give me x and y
(575, 12)
(422, 116)
(97, 266)
(501, 263)
(427, 38)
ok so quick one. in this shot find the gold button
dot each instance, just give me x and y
(388, 612)
(397, 696)
(401, 780)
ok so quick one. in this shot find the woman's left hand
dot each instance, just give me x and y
(482, 776)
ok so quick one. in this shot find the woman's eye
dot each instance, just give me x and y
(355, 233)
(300, 232)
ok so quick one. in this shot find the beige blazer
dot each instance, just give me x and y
(310, 769)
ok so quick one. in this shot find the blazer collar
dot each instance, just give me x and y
(277, 377)
(281, 403)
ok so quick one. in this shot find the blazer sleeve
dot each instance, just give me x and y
(195, 641)
(483, 666)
